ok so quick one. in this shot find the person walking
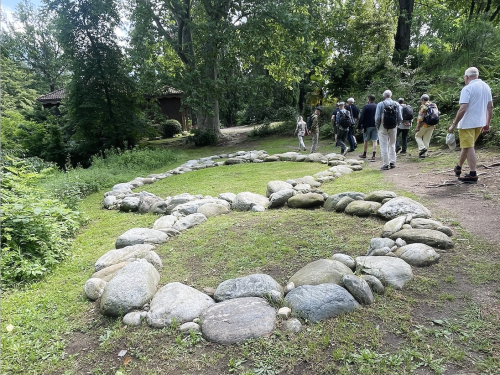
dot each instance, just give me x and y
(404, 127)
(317, 123)
(367, 124)
(300, 131)
(387, 117)
(424, 129)
(344, 122)
(354, 111)
(473, 117)
(334, 124)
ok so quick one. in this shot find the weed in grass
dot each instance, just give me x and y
(446, 297)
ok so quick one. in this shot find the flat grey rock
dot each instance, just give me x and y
(378, 242)
(309, 200)
(213, 209)
(177, 301)
(345, 259)
(108, 273)
(402, 206)
(137, 236)
(256, 285)
(393, 226)
(228, 197)
(429, 237)
(125, 254)
(164, 222)
(362, 208)
(132, 287)
(359, 288)
(343, 203)
(236, 320)
(390, 271)
(375, 284)
(418, 255)
(319, 302)
(332, 200)
(147, 202)
(320, 272)
(130, 204)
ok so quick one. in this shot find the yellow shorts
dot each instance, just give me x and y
(468, 137)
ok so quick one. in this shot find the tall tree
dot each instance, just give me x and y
(402, 38)
(31, 39)
(102, 104)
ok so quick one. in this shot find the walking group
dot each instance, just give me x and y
(390, 120)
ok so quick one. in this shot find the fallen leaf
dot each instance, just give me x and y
(127, 360)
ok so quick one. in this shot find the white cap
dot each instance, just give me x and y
(350, 100)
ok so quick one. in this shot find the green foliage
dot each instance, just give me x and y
(268, 128)
(171, 127)
(202, 137)
(17, 85)
(36, 228)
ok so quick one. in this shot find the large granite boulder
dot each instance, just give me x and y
(246, 200)
(108, 273)
(315, 158)
(132, 287)
(256, 285)
(129, 254)
(189, 221)
(332, 200)
(321, 271)
(280, 198)
(359, 288)
(429, 237)
(136, 236)
(165, 222)
(362, 208)
(147, 202)
(318, 302)
(431, 224)
(275, 186)
(391, 271)
(380, 195)
(179, 302)
(192, 207)
(402, 206)
(236, 320)
(418, 255)
(308, 200)
(228, 197)
(130, 204)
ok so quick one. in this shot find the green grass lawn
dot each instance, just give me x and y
(51, 328)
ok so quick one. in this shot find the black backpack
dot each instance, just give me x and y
(391, 115)
(407, 113)
(344, 120)
(432, 115)
(309, 122)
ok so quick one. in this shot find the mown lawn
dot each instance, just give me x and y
(433, 326)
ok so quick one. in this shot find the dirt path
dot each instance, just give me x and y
(475, 207)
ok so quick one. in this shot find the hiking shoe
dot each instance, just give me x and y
(457, 170)
(372, 158)
(422, 152)
(398, 149)
(362, 156)
(343, 152)
(403, 152)
(392, 165)
(384, 167)
(468, 179)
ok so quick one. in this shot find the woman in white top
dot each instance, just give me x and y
(300, 131)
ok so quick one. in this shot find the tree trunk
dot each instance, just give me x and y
(402, 38)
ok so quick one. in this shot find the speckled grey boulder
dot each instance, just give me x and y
(362, 208)
(108, 273)
(130, 204)
(275, 186)
(292, 325)
(375, 284)
(280, 198)
(236, 320)
(256, 285)
(94, 288)
(429, 237)
(177, 301)
(136, 236)
(378, 242)
(246, 200)
(308, 200)
(359, 288)
(128, 253)
(228, 197)
(110, 202)
(431, 224)
(343, 203)
(165, 222)
(159, 208)
(418, 255)
(189, 221)
(318, 302)
(393, 226)
(390, 270)
(320, 271)
(341, 169)
(132, 287)
(213, 209)
(401, 206)
(380, 195)
(147, 202)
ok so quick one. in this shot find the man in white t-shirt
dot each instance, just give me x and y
(473, 117)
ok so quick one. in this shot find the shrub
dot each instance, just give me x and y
(202, 137)
(36, 229)
(288, 113)
(170, 128)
